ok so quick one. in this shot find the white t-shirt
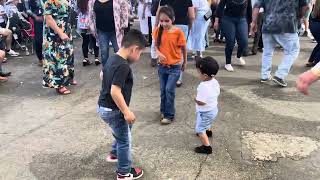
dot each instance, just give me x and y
(2, 10)
(208, 92)
(202, 6)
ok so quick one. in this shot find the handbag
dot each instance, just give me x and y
(208, 15)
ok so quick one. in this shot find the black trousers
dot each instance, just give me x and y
(315, 30)
(86, 38)
(38, 28)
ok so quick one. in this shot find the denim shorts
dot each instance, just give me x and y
(204, 120)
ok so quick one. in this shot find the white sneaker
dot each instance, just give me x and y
(229, 67)
(13, 53)
(309, 34)
(241, 61)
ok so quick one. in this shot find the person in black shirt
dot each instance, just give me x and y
(184, 17)
(115, 98)
(36, 12)
(234, 27)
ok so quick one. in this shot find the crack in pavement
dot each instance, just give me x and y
(200, 167)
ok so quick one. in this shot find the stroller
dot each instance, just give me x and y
(22, 32)
(22, 29)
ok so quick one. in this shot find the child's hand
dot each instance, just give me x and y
(162, 58)
(130, 117)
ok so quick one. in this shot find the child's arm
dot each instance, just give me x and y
(199, 103)
(184, 52)
(118, 98)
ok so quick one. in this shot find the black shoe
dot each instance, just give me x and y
(203, 149)
(97, 62)
(153, 62)
(5, 74)
(86, 62)
(209, 133)
(279, 81)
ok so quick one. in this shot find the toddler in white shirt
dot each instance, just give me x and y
(206, 101)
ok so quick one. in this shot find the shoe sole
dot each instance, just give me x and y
(279, 83)
(111, 161)
(138, 176)
(229, 70)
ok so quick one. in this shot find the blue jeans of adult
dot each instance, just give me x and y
(121, 131)
(104, 39)
(290, 43)
(315, 30)
(234, 28)
(168, 76)
(185, 30)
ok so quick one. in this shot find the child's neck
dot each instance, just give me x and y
(123, 53)
(208, 79)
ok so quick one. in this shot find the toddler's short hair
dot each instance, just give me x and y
(208, 66)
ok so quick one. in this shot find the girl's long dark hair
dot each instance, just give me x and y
(170, 13)
(83, 6)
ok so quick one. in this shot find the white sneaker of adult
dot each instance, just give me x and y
(241, 61)
(13, 53)
(229, 67)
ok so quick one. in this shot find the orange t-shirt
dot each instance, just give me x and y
(171, 43)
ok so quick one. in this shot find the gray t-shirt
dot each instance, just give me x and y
(280, 16)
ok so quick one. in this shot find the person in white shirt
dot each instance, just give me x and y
(206, 101)
(144, 14)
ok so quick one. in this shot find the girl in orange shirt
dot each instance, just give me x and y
(171, 45)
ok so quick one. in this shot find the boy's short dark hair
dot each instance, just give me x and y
(208, 66)
(134, 37)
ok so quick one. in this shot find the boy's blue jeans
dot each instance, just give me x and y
(168, 78)
(291, 46)
(121, 131)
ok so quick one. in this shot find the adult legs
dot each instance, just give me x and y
(315, 30)
(95, 47)
(104, 39)
(258, 35)
(154, 55)
(85, 45)
(228, 29)
(242, 36)
(269, 46)
(150, 30)
(291, 46)
(185, 30)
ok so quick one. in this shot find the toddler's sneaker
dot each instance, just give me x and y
(112, 158)
(203, 149)
(266, 80)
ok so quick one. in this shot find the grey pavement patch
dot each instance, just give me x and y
(302, 110)
(270, 146)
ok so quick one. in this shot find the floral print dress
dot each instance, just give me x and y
(58, 55)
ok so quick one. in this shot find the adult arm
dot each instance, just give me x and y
(185, 60)
(191, 15)
(255, 13)
(53, 25)
(219, 13)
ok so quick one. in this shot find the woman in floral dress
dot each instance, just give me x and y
(58, 46)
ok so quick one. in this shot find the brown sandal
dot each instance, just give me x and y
(73, 82)
(63, 91)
